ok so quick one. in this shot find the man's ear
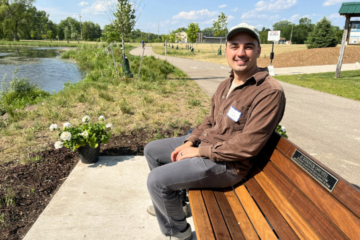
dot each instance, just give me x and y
(259, 51)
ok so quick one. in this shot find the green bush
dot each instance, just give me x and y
(19, 93)
(323, 35)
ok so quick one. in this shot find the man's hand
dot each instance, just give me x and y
(187, 153)
(175, 153)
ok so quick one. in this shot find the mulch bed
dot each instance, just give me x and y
(311, 57)
(33, 185)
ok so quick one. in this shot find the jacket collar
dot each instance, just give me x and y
(259, 76)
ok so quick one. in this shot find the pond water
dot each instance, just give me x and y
(41, 65)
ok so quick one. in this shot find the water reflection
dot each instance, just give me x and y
(42, 66)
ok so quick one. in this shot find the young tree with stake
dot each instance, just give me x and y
(125, 20)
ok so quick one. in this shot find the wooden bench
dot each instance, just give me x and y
(288, 195)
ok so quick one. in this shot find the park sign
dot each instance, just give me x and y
(273, 36)
(354, 37)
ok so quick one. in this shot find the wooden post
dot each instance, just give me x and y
(165, 47)
(342, 48)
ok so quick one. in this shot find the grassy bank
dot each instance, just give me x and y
(54, 43)
(160, 99)
(348, 85)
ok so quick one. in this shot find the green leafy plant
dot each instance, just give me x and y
(84, 134)
(281, 130)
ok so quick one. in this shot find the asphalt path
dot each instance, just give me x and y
(324, 125)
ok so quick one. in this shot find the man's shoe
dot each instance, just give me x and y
(177, 236)
(186, 209)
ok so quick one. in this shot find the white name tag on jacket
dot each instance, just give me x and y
(234, 114)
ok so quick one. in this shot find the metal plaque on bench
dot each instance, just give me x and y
(315, 170)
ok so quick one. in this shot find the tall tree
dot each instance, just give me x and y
(191, 31)
(284, 27)
(220, 26)
(125, 19)
(14, 11)
(208, 32)
(323, 35)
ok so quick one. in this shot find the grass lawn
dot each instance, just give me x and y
(348, 85)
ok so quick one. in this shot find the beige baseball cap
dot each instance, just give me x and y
(244, 27)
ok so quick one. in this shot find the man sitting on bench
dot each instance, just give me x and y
(246, 109)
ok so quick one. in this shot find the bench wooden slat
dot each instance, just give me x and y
(282, 228)
(321, 224)
(297, 223)
(333, 209)
(257, 219)
(240, 215)
(201, 219)
(216, 218)
(344, 192)
(229, 217)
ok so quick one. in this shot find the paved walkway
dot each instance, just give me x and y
(324, 125)
(106, 200)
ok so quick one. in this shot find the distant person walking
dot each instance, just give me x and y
(143, 44)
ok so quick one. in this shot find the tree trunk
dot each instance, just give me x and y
(15, 32)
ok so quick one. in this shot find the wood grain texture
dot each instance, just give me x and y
(202, 223)
(316, 219)
(293, 218)
(328, 204)
(281, 227)
(216, 218)
(344, 191)
(257, 219)
(230, 220)
(241, 217)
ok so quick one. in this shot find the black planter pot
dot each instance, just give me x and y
(88, 154)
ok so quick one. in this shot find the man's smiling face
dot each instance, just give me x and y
(242, 51)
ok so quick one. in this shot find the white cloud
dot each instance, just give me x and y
(273, 17)
(230, 17)
(274, 5)
(99, 7)
(211, 21)
(222, 6)
(192, 15)
(294, 17)
(333, 2)
(335, 15)
(83, 3)
(235, 9)
(253, 14)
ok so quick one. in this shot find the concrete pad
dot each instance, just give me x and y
(106, 200)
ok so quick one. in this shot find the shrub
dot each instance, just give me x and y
(322, 36)
(19, 93)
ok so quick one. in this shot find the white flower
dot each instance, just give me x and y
(58, 145)
(109, 126)
(53, 127)
(283, 129)
(66, 136)
(85, 134)
(86, 118)
(102, 118)
(66, 125)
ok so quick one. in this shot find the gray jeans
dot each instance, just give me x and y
(167, 178)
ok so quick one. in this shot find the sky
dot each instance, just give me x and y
(163, 16)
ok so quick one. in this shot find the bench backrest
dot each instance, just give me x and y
(298, 196)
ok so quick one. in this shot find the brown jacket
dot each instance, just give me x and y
(260, 102)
